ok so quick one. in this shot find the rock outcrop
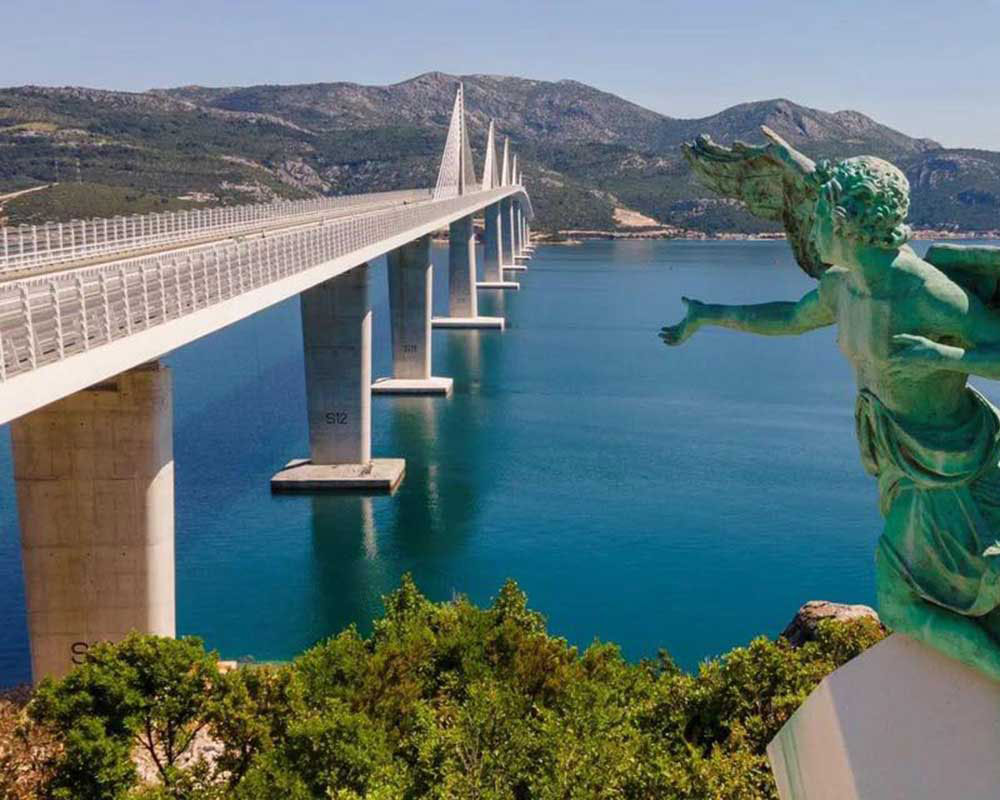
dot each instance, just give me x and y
(803, 626)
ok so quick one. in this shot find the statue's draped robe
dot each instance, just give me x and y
(939, 491)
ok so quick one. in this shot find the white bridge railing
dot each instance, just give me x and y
(32, 246)
(52, 317)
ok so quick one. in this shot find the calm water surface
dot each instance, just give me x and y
(685, 499)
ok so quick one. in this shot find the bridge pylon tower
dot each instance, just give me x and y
(457, 173)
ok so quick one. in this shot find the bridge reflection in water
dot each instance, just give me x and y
(362, 545)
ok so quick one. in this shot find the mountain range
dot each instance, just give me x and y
(591, 160)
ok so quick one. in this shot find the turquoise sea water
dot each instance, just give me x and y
(686, 499)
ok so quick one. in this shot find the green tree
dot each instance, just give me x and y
(145, 691)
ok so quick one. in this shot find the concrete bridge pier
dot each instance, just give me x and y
(463, 306)
(522, 235)
(520, 255)
(510, 249)
(95, 492)
(493, 249)
(518, 242)
(410, 298)
(337, 339)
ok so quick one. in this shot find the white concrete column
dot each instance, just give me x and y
(507, 236)
(463, 305)
(462, 269)
(337, 339)
(512, 234)
(494, 259)
(95, 493)
(410, 300)
(518, 244)
(492, 245)
(410, 296)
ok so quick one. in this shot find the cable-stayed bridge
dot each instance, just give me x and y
(88, 307)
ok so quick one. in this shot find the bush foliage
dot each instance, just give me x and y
(443, 700)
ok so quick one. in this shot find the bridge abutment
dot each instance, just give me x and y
(95, 491)
(463, 306)
(337, 339)
(410, 298)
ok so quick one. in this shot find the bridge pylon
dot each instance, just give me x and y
(456, 177)
(491, 177)
(457, 173)
(505, 163)
(492, 217)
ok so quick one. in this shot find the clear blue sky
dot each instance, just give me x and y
(927, 68)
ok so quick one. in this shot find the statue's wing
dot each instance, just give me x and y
(772, 181)
(975, 267)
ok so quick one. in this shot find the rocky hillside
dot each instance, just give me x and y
(585, 152)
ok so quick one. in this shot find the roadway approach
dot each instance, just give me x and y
(89, 307)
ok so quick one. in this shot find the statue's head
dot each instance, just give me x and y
(862, 201)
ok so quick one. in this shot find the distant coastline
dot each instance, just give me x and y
(575, 237)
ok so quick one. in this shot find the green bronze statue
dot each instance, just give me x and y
(914, 329)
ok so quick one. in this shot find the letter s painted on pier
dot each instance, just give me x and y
(79, 652)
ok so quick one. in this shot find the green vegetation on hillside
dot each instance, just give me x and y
(82, 200)
(443, 700)
(583, 151)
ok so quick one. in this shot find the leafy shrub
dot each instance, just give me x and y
(442, 701)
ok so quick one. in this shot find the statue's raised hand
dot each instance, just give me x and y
(677, 334)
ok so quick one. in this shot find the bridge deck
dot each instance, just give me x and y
(70, 324)
(32, 247)
(136, 248)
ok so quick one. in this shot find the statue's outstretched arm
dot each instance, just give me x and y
(918, 353)
(971, 343)
(768, 319)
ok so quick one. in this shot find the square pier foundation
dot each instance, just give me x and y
(301, 475)
(512, 285)
(495, 323)
(413, 386)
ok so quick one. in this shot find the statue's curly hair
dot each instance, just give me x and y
(870, 199)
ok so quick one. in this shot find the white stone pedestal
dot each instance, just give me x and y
(414, 386)
(490, 323)
(378, 475)
(513, 285)
(900, 722)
